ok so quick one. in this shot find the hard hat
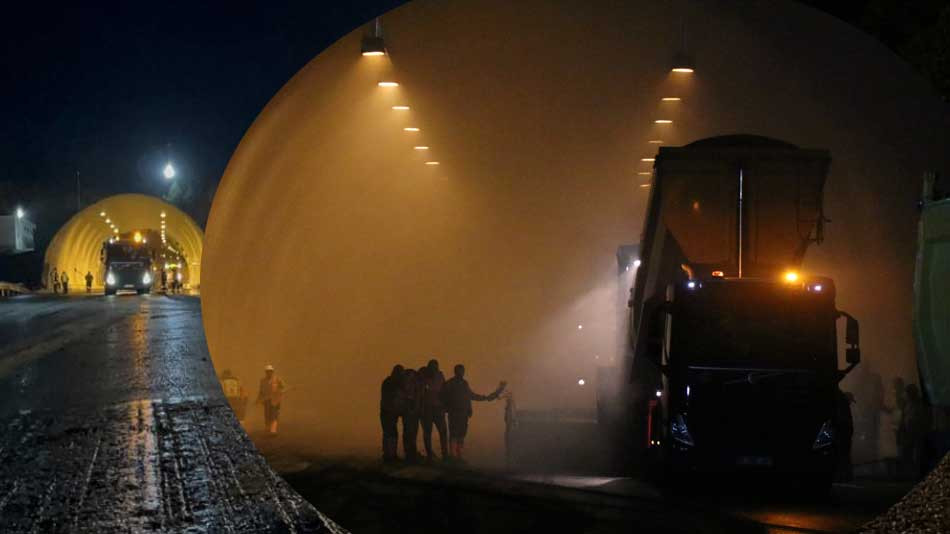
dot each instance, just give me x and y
(268, 367)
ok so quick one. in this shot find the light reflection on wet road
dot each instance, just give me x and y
(111, 419)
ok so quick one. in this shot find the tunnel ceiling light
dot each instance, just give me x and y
(683, 63)
(373, 46)
(644, 186)
(137, 237)
(645, 173)
(421, 147)
(432, 163)
(401, 108)
(411, 129)
(647, 159)
(671, 99)
(655, 141)
(162, 215)
(102, 214)
(108, 221)
(115, 230)
(388, 84)
(663, 121)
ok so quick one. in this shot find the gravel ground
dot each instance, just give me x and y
(925, 509)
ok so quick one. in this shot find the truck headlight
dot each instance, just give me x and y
(146, 279)
(110, 279)
(825, 437)
(680, 432)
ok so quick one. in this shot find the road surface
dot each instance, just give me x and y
(111, 420)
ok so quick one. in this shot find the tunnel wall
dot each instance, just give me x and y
(502, 256)
(77, 245)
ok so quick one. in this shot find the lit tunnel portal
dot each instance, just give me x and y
(77, 247)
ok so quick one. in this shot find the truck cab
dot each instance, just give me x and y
(749, 376)
(128, 267)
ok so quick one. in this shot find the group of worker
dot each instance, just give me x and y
(424, 397)
(175, 279)
(270, 394)
(59, 282)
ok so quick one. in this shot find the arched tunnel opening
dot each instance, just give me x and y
(123, 228)
(464, 197)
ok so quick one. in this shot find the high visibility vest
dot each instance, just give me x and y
(231, 387)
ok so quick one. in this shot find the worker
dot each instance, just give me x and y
(88, 281)
(54, 277)
(390, 409)
(271, 394)
(844, 428)
(64, 279)
(178, 282)
(457, 398)
(234, 393)
(433, 411)
(164, 280)
(412, 392)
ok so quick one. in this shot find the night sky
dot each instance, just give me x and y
(113, 91)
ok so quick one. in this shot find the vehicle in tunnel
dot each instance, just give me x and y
(128, 266)
(734, 353)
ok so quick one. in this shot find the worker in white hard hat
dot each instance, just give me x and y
(270, 395)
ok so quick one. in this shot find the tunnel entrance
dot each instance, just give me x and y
(127, 236)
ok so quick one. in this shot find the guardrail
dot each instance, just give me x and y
(8, 289)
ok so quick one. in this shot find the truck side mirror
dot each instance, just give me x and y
(852, 338)
(852, 335)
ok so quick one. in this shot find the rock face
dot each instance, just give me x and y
(334, 252)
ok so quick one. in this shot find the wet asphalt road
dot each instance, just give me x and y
(111, 419)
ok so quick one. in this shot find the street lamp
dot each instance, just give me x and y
(20, 213)
(169, 171)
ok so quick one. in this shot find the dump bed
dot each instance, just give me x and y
(744, 205)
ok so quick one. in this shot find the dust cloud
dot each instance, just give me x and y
(333, 250)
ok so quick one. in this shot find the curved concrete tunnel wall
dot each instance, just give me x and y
(539, 114)
(76, 246)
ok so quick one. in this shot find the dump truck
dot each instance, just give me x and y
(128, 266)
(733, 363)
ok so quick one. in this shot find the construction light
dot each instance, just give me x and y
(663, 121)
(388, 84)
(410, 129)
(20, 213)
(791, 276)
(581, 382)
(169, 171)
(401, 108)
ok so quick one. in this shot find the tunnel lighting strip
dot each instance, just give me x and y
(410, 129)
(655, 141)
(401, 108)
(663, 121)
(671, 99)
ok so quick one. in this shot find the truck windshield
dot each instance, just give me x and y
(755, 328)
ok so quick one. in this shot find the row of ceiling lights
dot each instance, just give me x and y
(682, 64)
(374, 45)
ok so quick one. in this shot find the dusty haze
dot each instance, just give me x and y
(333, 252)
